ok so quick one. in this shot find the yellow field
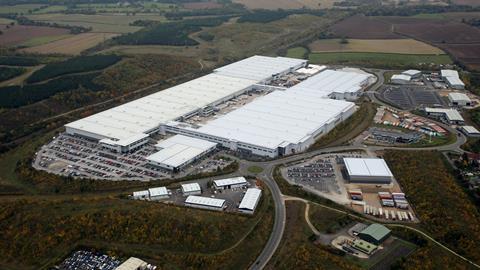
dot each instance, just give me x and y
(286, 4)
(403, 46)
(73, 45)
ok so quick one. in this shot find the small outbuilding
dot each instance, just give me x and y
(141, 195)
(158, 193)
(375, 234)
(234, 182)
(364, 246)
(250, 201)
(191, 189)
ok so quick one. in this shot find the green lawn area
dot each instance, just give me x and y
(297, 52)
(392, 60)
(255, 169)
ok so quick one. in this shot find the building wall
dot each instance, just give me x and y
(204, 207)
(199, 192)
(370, 179)
(156, 198)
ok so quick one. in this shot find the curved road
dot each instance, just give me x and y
(280, 213)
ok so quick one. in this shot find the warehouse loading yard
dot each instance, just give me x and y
(259, 106)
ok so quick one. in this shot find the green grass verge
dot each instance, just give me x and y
(297, 52)
(255, 169)
(385, 60)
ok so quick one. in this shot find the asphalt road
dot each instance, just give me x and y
(268, 166)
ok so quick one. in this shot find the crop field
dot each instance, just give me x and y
(286, 4)
(362, 27)
(378, 59)
(103, 23)
(19, 34)
(37, 41)
(72, 45)
(404, 46)
(18, 8)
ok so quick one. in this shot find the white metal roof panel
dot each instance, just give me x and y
(471, 129)
(250, 199)
(230, 181)
(147, 113)
(411, 72)
(367, 167)
(140, 193)
(459, 97)
(206, 201)
(191, 187)
(401, 77)
(158, 191)
(259, 67)
(334, 81)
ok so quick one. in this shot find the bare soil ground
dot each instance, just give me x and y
(362, 27)
(20, 33)
(73, 45)
(404, 46)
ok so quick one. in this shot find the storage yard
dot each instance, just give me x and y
(236, 194)
(259, 106)
(91, 260)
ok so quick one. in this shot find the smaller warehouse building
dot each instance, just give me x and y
(452, 78)
(178, 151)
(450, 116)
(229, 183)
(135, 264)
(413, 73)
(368, 170)
(141, 195)
(459, 99)
(158, 193)
(191, 189)
(470, 131)
(375, 234)
(250, 201)
(401, 79)
(364, 246)
(205, 203)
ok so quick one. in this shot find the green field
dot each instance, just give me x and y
(378, 59)
(103, 23)
(255, 169)
(297, 52)
(42, 40)
(18, 8)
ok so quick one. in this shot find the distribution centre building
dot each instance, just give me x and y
(178, 151)
(368, 170)
(459, 99)
(250, 201)
(191, 189)
(205, 203)
(452, 78)
(234, 182)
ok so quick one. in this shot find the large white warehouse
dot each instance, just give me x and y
(368, 170)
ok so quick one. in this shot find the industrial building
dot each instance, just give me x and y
(191, 189)
(400, 79)
(375, 234)
(413, 73)
(229, 183)
(368, 170)
(250, 201)
(452, 78)
(470, 131)
(178, 151)
(364, 246)
(459, 99)
(282, 122)
(158, 193)
(141, 195)
(450, 116)
(135, 264)
(205, 203)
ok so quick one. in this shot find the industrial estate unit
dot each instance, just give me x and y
(289, 104)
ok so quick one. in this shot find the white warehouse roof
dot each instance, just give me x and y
(132, 264)
(411, 72)
(158, 191)
(206, 201)
(334, 81)
(452, 77)
(191, 187)
(230, 181)
(401, 77)
(288, 116)
(141, 193)
(178, 150)
(250, 199)
(451, 114)
(459, 97)
(259, 67)
(147, 113)
(367, 167)
(470, 129)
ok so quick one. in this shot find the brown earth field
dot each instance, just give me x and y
(460, 40)
(73, 45)
(202, 5)
(20, 33)
(286, 4)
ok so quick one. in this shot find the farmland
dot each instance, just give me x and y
(362, 27)
(286, 4)
(71, 45)
(19, 34)
(37, 41)
(402, 46)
